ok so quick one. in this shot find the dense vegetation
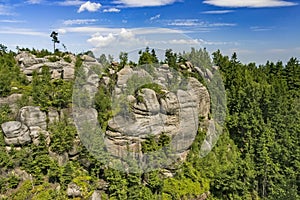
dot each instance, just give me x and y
(256, 157)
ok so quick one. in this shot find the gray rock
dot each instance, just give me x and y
(96, 195)
(68, 73)
(189, 64)
(209, 74)
(169, 104)
(15, 133)
(201, 95)
(35, 132)
(87, 58)
(11, 129)
(59, 69)
(32, 116)
(176, 114)
(25, 59)
(11, 101)
(73, 190)
(75, 148)
(150, 99)
(22, 174)
(53, 116)
(55, 74)
(123, 76)
(62, 159)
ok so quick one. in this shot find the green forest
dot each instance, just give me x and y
(256, 157)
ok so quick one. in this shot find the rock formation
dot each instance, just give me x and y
(15, 133)
(58, 69)
(148, 101)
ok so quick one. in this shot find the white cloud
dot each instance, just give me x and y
(89, 6)
(123, 37)
(144, 3)
(79, 21)
(34, 1)
(5, 10)
(126, 34)
(11, 21)
(217, 11)
(136, 31)
(71, 3)
(112, 10)
(249, 3)
(259, 28)
(221, 24)
(155, 17)
(196, 23)
(22, 31)
(88, 30)
(102, 41)
(185, 22)
(185, 41)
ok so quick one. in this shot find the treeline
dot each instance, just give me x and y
(256, 157)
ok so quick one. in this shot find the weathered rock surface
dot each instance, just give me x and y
(96, 195)
(53, 116)
(176, 113)
(35, 132)
(15, 133)
(32, 116)
(73, 190)
(58, 69)
(11, 101)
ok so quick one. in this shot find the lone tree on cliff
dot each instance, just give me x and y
(54, 36)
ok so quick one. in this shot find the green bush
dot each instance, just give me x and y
(62, 136)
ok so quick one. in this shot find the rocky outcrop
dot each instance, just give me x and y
(58, 69)
(31, 123)
(11, 101)
(145, 101)
(15, 133)
(32, 116)
(165, 107)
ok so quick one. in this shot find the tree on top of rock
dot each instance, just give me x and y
(55, 40)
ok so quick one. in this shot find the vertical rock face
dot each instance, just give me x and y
(32, 116)
(15, 133)
(161, 107)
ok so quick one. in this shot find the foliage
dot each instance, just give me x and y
(256, 157)
(10, 75)
(47, 93)
(147, 57)
(152, 144)
(62, 136)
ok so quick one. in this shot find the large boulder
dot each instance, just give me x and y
(15, 133)
(32, 116)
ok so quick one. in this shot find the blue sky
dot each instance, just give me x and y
(258, 30)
